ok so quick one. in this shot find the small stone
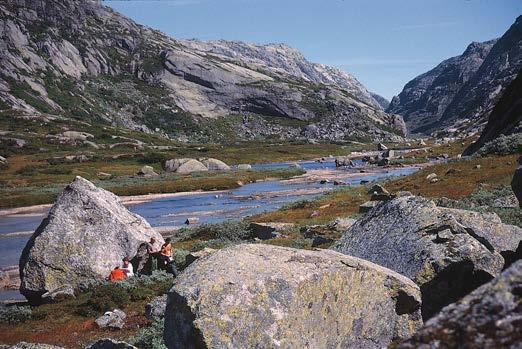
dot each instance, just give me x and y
(156, 308)
(192, 221)
(112, 319)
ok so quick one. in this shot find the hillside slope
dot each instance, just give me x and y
(456, 97)
(82, 60)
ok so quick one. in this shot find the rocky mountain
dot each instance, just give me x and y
(282, 59)
(506, 117)
(457, 96)
(383, 102)
(81, 60)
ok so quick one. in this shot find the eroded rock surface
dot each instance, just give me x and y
(86, 234)
(257, 295)
(489, 317)
(445, 252)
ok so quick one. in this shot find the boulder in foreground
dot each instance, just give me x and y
(263, 296)
(444, 254)
(489, 317)
(86, 234)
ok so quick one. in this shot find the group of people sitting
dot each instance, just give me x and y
(147, 259)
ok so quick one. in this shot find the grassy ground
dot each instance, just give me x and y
(70, 323)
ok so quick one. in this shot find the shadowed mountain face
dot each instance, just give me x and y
(457, 96)
(506, 117)
(81, 60)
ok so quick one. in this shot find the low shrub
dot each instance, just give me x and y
(150, 337)
(14, 314)
(228, 231)
(503, 145)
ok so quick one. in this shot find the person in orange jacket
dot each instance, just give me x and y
(117, 274)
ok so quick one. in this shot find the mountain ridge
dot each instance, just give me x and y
(100, 65)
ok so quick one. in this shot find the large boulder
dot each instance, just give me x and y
(516, 183)
(173, 164)
(191, 166)
(489, 317)
(86, 234)
(445, 256)
(263, 296)
(215, 165)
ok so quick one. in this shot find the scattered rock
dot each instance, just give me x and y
(336, 182)
(191, 166)
(344, 161)
(86, 234)
(315, 213)
(324, 181)
(147, 171)
(516, 183)
(112, 319)
(379, 193)
(215, 164)
(108, 343)
(265, 231)
(341, 223)
(77, 136)
(156, 308)
(381, 147)
(412, 236)
(3, 161)
(243, 167)
(422, 142)
(383, 162)
(478, 167)
(104, 175)
(258, 295)
(431, 176)
(389, 154)
(173, 164)
(192, 221)
(368, 206)
(488, 317)
(61, 293)
(193, 256)
(13, 142)
(91, 144)
(453, 171)
(294, 165)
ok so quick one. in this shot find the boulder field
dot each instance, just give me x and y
(86, 234)
(255, 295)
(447, 252)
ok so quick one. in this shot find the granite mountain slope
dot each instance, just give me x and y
(82, 60)
(457, 96)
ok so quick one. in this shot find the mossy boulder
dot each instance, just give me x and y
(263, 296)
(86, 234)
(489, 317)
(448, 253)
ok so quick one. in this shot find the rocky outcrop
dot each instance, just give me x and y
(448, 253)
(267, 296)
(489, 317)
(101, 65)
(457, 97)
(505, 119)
(86, 234)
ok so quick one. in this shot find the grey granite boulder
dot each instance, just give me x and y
(215, 164)
(444, 255)
(147, 171)
(263, 296)
(156, 307)
(191, 166)
(489, 317)
(112, 319)
(86, 234)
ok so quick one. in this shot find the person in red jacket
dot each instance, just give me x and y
(117, 274)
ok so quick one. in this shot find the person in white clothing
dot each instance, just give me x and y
(127, 268)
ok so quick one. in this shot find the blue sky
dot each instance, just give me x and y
(384, 43)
